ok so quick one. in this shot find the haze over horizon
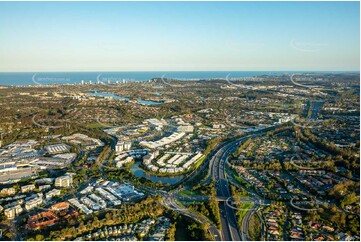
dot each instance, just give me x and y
(179, 36)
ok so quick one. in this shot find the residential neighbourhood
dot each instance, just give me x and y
(293, 162)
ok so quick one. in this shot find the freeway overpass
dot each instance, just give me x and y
(207, 198)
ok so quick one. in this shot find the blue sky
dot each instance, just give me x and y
(161, 36)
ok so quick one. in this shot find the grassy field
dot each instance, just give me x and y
(95, 125)
(190, 193)
(199, 162)
(239, 179)
(254, 228)
(245, 206)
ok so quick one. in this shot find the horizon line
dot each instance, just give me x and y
(97, 71)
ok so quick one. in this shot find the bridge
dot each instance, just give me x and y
(207, 198)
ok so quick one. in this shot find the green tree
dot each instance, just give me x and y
(39, 237)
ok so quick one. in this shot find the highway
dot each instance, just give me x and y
(218, 166)
(301, 85)
(230, 231)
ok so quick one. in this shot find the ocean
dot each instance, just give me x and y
(43, 78)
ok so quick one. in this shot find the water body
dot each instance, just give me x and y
(43, 78)
(139, 172)
(148, 102)
(103, 94)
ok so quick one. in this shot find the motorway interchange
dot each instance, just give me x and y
(218, 168)
(230, 230)
(217, 171)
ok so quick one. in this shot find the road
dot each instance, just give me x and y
(230, 231)
(245, 222)
(169, 202)
(301, 85)
(218, 166)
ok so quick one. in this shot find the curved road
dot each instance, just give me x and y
(169, 201)
(217, 167)
(230, 230)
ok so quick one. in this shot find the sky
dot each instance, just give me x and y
(179, 36)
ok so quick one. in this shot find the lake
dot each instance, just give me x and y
(139, 172)
(103, 94)
(148, 102)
